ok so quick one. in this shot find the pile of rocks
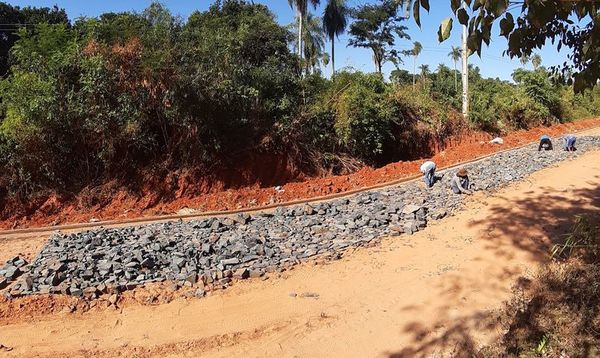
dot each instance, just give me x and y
(213, 252)
(11, 271)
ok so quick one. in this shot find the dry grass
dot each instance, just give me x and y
(558, 314)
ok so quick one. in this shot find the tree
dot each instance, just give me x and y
(571, 24)
(536, 61)
(376, 27)
(14, 18)
(455, 54)
(415, 52)
(524, 60)
(424, 70)
(314, 42)
(335, 20)
(301, 9)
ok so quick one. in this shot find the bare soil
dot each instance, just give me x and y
(196, 192)
(431, 294)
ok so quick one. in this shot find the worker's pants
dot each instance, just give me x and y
(429, 178)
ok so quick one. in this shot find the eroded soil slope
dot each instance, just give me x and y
(187, 195)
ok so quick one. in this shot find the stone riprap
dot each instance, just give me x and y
(215, 251)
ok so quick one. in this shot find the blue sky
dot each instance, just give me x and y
(492, 63)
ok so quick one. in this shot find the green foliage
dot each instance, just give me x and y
(111, 96)
(363, 121)
(571, 24)
(376, 27)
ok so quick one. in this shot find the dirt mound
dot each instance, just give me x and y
(197, 191)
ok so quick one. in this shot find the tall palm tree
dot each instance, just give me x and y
(301, 8)
(335, 20)
(424, 71)
(536, 61)
(314, 42)
(416, 51)
(524, 60)
(455, 54)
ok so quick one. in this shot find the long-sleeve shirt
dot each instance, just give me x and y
(427, 167)
(545, 143)
(456, 183)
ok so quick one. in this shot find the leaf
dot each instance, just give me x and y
(425, 4)
(579, 84)
(486, 32)
(454, 4)
(507, 24)
(474, 42)
(417, 15)
(444, 30)
(496, 7)
(463, 17)
(514, 43)
(477, 4)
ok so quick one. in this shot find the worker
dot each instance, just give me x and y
(460, 182)
(428, 170)
(545, 143)
(569, 142)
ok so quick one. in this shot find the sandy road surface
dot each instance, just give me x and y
(421, 295)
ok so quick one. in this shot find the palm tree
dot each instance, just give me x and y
(302, 8)
(536, 61)
(424, 71)
(314, 42)
(524, 60)
(335, 20)
(416, 51)
(455, 54)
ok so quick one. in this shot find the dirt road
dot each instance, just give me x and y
(431, 293)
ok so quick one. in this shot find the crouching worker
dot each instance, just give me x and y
(545, 143)
(428, 170)
(569, 142)
(460, 182)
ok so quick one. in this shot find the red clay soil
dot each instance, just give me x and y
(124, 204)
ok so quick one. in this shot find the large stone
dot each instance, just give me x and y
(230, 262)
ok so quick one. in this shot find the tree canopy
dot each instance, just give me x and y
(377, 27)
(530, 25)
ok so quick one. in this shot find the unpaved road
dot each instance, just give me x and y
(421, 295)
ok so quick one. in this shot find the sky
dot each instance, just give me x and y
(492, 62)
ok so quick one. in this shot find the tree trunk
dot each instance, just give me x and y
(455, 83)
(332, 57)
(414, 70)
(300, 21)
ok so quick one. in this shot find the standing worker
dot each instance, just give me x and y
(460, 182)
(545, 143)
(569, 142)
(428, 170)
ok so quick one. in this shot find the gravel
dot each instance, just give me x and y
(213, 252)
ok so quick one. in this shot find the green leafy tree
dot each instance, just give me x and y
(455, 54)
(15, 18)
(335, 21)
(571, 24)
(376, 27)
(415, 52)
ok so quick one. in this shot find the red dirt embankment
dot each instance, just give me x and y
(189, 196)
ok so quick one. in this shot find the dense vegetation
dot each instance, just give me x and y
(101, 98)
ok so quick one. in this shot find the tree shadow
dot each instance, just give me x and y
(547, 217)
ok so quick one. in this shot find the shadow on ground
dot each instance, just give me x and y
(548, 217)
